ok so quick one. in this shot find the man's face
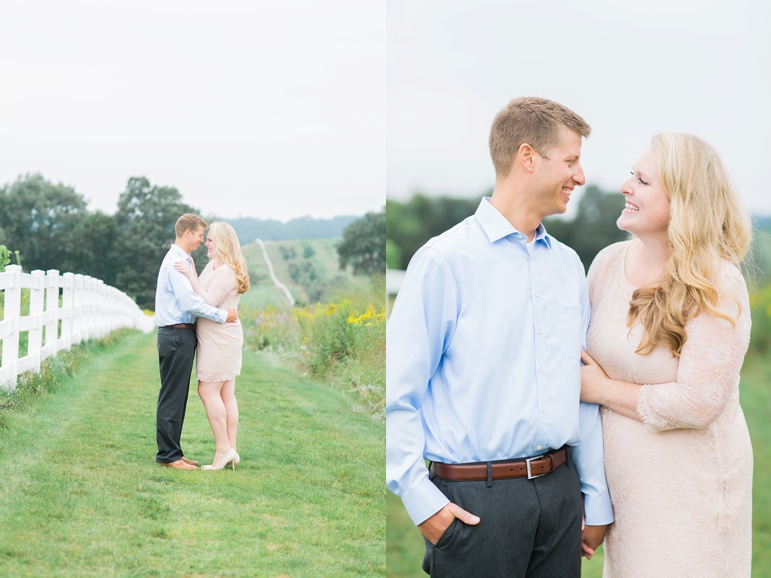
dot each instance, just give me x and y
(193, 239)
(558, 172)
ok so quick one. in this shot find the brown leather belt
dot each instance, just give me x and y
(529, 468)
(190, 326)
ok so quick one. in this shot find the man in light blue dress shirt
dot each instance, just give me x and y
(483, 372)
(176, 308)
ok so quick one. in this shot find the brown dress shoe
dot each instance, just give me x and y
(190, 462)
(180, 465)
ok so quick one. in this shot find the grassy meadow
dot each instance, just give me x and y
(81, 494)
(340, 339)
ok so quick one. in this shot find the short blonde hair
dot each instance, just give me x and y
(228, 249)
(532, 120)
(189, 221)
(707, 226)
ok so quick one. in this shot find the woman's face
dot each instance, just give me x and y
(211, 247)
(647, 205)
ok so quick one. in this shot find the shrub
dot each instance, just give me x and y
(342, 341)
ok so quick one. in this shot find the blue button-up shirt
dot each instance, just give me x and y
(483, 360)
(175, 300)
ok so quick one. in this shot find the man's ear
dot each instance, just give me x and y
(525, 157)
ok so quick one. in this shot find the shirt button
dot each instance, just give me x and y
(539, 447)
(537, 294)
(540, 370)
(539, 331)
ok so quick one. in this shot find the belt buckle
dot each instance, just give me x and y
(530, 475)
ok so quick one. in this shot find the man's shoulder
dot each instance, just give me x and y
(563, 251)
(457, 237)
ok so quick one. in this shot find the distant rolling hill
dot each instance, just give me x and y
(320, 255)
(248, 228)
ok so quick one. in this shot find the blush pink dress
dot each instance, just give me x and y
(681, 479)
(218, 357)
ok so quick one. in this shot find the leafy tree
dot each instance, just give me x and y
(5, 257)
(145, 220)
(411, 224)
(39, 220)
(363, 245)
(393, 255)
(98, 249)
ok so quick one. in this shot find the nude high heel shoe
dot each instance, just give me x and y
(229, 460)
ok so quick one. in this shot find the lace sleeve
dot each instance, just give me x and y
(708, 370)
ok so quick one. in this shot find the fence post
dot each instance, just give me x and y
(51, 314)
(11, 313)
(36, 298)
(68, 310)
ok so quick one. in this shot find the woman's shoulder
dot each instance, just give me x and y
(731, 280)
(611, 254)
(224, 270)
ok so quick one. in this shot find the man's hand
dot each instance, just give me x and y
(232, 315)
(591, 538)
(434, 527)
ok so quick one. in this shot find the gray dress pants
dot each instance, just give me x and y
(527, 528)
(176, 350)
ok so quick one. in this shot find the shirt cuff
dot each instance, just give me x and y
(598, 510)
(424, 501)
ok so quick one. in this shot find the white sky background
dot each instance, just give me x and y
(261, 109)
(631, 69)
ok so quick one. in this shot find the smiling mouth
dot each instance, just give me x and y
(567, 191)
(630, 207)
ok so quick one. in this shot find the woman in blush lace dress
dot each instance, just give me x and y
(218, 358)
(670, 327)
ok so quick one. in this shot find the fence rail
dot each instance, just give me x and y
(64, 310)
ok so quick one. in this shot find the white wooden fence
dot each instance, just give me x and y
(88, 309)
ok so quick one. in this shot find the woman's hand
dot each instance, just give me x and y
(183, 267)
(595, 383)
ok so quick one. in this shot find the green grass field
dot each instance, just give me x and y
(81, 494)
(405, 544)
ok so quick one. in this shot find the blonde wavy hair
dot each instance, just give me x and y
(228, 250)
(707, 225)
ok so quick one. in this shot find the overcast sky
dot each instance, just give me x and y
(631, 69)
(263, 109)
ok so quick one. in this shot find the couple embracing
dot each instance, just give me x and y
(546, 434)
(198, 317)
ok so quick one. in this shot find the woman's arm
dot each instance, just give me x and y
(707, 374)
(597, 387)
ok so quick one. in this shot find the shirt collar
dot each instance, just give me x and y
(179, 251)
(496, 226)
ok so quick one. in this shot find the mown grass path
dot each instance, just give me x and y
(81, 495)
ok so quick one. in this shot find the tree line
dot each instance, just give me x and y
(410, 224)
(49, 226)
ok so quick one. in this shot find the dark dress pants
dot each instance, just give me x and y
(527, 528)
(176, 350)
